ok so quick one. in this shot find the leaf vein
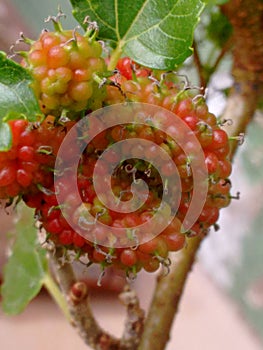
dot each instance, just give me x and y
(100, 18)
(117, 19)
(181, 16)
(150, 48)
(134, 21)
(170, 36)
(157, 25)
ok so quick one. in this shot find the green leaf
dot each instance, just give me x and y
(5, 137)
(17, 98)
(155, 33)
(26, 268)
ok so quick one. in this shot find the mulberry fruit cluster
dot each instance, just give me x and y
(68, 70)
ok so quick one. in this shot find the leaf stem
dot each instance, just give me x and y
(205, 73)
(57, 295)
(116, 54)
(224, 50)
(199, 66)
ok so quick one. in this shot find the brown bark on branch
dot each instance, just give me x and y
(247, 21)
(77, 296)
(166, 298)
(78, 301)
(135, 319)
(246, 17)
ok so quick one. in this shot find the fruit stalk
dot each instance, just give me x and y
(116, 54)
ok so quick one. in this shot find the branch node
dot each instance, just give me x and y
(78, 292)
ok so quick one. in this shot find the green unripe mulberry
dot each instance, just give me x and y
(63, 65)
